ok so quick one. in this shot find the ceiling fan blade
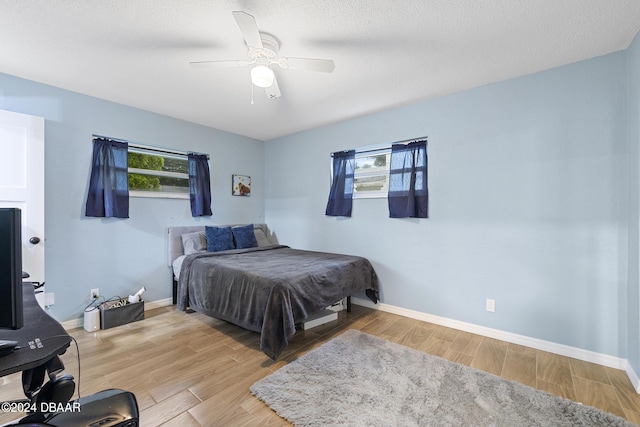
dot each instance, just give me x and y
(248, 28)
(320, 65)
(273, 91)
(220, 64)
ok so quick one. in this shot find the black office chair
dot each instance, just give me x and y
(108, 408)
(57, 392)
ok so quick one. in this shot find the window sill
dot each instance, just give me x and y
(158, 195)
(370, 196)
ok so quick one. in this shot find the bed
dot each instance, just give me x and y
(267, 288)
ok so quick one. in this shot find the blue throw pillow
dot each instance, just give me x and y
(245, 237)
(218, 238)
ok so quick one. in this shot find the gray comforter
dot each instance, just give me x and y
(270, 289)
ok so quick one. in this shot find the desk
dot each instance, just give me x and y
(40, 339)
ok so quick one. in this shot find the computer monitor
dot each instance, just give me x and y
(10, 269)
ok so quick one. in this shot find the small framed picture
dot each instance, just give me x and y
(241, 185)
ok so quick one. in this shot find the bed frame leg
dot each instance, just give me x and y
(175, 291)
(349, 304)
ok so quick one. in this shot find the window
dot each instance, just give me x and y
(369, 173)
(154, 172)
(372, 174)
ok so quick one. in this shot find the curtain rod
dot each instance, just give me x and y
(373, 148)
(148, 147)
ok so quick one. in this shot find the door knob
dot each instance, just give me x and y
(34, 240)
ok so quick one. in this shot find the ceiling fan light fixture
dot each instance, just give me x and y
(262, 76)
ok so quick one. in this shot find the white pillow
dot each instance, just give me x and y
(194, 242)
(177, 266)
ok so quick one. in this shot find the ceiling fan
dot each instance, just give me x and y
(263, 54)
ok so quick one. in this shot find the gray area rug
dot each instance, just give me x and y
(360, 380)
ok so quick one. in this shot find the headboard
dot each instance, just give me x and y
(174, 243)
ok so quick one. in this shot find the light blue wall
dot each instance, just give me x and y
(633, 117)
(528, 205)
(119, 256)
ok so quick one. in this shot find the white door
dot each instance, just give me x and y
(22, 184)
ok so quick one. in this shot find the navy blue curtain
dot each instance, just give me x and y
(408, 191)
(109, 184)
(341, 194)
(199, 185)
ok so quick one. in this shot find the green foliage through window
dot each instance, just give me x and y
(150, 172)
(144, 161)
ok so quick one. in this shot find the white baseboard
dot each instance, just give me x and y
(157, 304)
(72, 324)
(551, 347)
(633, 377)
(148, 305)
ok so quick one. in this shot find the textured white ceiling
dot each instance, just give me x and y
(387, 52)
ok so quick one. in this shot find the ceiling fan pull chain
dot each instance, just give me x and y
(251, 93)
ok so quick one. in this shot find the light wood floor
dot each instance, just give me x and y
(192, 370)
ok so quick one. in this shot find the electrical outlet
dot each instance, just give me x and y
(95, 292)
(491, 305)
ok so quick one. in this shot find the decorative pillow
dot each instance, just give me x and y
(261, 237)
(218, 238)
(244, 237)
(194, 242)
